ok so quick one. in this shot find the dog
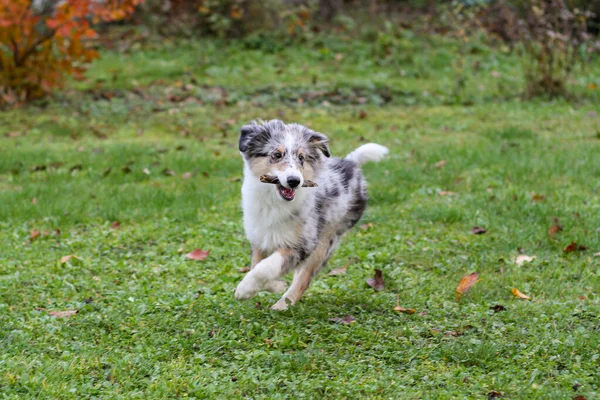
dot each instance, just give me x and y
(291, 227)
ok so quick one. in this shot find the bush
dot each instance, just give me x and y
(554, 42)
(42, 42)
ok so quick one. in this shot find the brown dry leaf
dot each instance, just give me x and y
(198, 254)
(580, 397)
(186, 175)
(244, 270)
(34, 234)
(465, 284)
(477, 230)
(347, 320)
(67, 258)
(405, 310)
(518, 294)
(447, 193)
(115, 225)
(62, 314)
(538, 198)
(497, 308)
(168, 172)
(440, 164)
(338, 271)
(554, 229)
(362, 114)
(522, 258)
(573, 246)
(376, 282)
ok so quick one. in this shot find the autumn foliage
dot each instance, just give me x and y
(40, 44)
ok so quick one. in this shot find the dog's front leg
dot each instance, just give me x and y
(264, 276)
(305, 272)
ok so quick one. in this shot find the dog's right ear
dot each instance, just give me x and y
(246, 135)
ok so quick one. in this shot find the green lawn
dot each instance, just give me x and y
(153, 324)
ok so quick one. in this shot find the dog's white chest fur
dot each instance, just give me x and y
(268, 221)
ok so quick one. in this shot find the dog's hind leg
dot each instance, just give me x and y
(306, 271)
(265, 275)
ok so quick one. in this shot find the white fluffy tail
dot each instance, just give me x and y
(368, 152)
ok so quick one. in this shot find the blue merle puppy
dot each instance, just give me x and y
(291, 227)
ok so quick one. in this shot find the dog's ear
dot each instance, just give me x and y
(319, 142)
(246, 135)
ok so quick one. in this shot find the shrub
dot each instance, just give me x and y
(554, 42)
(42, 42)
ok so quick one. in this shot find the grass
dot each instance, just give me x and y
(152, 324)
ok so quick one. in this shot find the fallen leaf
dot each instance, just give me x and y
(440, 164)
(168, 172)
(34, 201)
(125, 169)
(478, 230)
(67, 258)
(338, 271)
(115, 225)
(366, 226)
(146, 171)
(34, 234)
(497, 308)
(573, 246)
(465, 284)
(522, 258)
(186, 175)
(377, 282)
(493, 394)
(518, 294)
(446, 193)
(62, 314)
(538, 198)
(580, 397)
(597, 254)
(405, 310)
(554, 229)
(362, 114)
(198, 254)
(244, 270)
(422, 313)
(347, 320)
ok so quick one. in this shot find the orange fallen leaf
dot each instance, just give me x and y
(554, 229)
(405, 310)
(465, 284)
(115, 225)
(573, 246)
(67, 258)
(198, 254)
(34, 234)
(518, 294)
(62, 314)
(440, 164)
(338, 271)
(522, 258)
(537, 198)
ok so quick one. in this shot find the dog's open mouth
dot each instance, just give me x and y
(285, 193)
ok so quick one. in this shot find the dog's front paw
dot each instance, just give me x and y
(282, 304)
(276, 286)
(247, 288)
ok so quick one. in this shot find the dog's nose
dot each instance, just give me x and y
(293, 181)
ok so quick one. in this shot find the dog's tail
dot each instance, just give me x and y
(368, 152)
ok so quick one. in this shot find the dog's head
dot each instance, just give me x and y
(289, 152)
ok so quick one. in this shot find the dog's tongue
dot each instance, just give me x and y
(288, 193)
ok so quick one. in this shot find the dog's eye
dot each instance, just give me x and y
(277, 155)
(301, 158)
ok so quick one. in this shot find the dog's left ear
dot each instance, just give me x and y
(319, 141)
